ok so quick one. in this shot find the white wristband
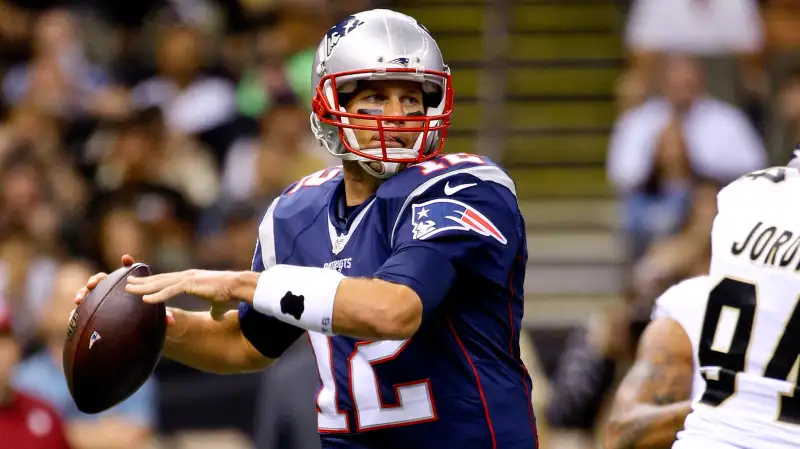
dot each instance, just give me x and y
(300, 296)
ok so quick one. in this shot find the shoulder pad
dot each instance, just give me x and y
(453, 181)
(683, 298)
(307, 196)
(756, 187)
(417, 179)
(315, 179)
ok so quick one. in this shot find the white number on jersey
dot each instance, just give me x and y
(415, 402)
(316, 179)
(724, 341)
(774, 174)
(448, 160)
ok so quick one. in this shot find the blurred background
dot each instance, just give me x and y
(162, 128)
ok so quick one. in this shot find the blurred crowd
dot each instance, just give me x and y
(162, 128)
(710, 92)
(157, 128)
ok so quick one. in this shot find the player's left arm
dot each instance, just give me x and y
(653, 399)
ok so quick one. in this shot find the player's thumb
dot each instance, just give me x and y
(127, 260)
(170, 317)
(218, 312)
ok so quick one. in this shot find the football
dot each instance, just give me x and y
(113, 343)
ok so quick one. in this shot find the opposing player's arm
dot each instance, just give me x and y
(654, 398)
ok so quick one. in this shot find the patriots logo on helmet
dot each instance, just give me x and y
(400, 61)
(440, 215)
(340, 30)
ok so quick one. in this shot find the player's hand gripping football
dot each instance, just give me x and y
(216, 287)
(94, 280)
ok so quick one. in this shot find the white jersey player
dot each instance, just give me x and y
(749, 342)
(685, 303)
(654, 398)
(741, 324)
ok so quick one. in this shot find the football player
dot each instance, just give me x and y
(404, 268)
(740, 328)
(653, 399)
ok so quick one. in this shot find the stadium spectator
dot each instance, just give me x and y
(781, 19)
(146, 151)
(698, 27)
(667, 158)
(29, 232)
(128, 425)
(26, 274)
(25, 421)
(59, 78)
(258, 169)
(789, 105)
(194, 101)
(284, 52)
(706, 26)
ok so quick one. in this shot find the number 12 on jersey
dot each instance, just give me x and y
(414, 399)
(729, 298)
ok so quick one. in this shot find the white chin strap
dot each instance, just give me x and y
(387, 169)
(328, 137)
(380, 169)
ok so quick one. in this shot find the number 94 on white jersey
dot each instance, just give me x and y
(748, 345)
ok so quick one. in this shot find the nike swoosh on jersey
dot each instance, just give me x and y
(452, 190)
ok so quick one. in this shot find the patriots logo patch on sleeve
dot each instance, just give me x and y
(440, 215)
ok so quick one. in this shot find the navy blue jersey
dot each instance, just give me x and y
(451, 230)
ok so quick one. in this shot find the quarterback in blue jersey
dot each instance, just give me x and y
(403, 267)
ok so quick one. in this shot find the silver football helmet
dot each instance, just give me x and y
(379, 45)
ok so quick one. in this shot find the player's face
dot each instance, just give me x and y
(683, 81)
(390, 98)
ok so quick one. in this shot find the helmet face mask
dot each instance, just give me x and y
(374, 46)
(427, 126)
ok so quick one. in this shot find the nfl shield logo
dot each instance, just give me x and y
(94, 339)
(338, 245)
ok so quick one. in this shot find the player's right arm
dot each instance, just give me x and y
(653, 399)
(197, 340)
